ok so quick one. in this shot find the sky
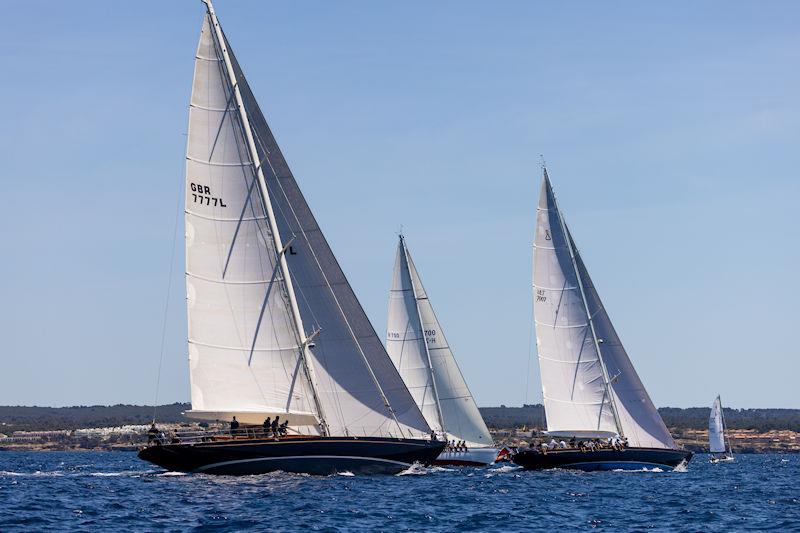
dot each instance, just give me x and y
(670, 133)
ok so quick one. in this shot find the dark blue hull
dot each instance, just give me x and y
(605, 459)
(305, 455)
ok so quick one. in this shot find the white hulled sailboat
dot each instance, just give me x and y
(274, 328)
(592, 394)
(417, 345)
(720, 450)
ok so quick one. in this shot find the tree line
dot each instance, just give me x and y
(16, 418)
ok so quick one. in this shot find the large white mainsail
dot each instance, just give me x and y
(716, 429)
(588, 382)
(417, 345)
(260, 342)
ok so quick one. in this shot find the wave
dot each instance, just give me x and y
(420, 470)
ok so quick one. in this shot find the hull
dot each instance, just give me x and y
(627, 459)
(470, 457)
(302, 455)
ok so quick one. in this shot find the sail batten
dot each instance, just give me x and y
(588, 381)
(417, 345)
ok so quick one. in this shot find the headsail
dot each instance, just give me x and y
(356, 384)
(588, 381)
(716, 431)
(419, 349)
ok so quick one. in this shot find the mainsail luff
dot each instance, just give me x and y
(413, 277)
(573, 252)
(253, 152)
(360, 389)
(716, 428)
(406, 345)
(233, 277)
(574, 386)
(634, 414)
(414, 333)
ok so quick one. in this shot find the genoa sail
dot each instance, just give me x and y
(716, 429)
(246, 346)
(419, 349)
(589, 383)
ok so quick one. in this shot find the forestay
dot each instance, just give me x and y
(716, 430)
(243, 344)
(420, 351)
(581, 385)
(360, 390)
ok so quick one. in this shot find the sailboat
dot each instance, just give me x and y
(716, 435)
(594, 401)
(418, 348)
(274, 327)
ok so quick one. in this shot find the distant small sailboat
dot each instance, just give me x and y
(274, 327)
(593, 397)
(418, 348)
(720, 451)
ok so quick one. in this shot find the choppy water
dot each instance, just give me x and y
(115, 491)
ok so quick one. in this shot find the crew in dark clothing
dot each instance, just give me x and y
(275, 426)
(234, 426)
(267, 427)
(284, 428)
(152, 434)
(433, 436)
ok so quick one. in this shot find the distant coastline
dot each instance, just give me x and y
(122, 427)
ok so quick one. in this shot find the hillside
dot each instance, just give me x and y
(16, 418)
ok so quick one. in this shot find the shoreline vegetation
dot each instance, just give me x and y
(123, 427)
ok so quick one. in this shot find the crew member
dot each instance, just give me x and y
(267, 426)
(234, 426)
(152, 434)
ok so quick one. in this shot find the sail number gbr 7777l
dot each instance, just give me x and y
(201, 194)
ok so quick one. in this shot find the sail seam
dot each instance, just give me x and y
(242, 349)
(216, 164)
(560, 327)
(229, 282)
(217, 219)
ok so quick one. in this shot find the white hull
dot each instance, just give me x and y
(470, 457)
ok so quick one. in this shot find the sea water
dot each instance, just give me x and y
(115, 491)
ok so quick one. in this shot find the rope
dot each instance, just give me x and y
(169, 290)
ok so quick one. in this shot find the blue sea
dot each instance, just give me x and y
(112, 491)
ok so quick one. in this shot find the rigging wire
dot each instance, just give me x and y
(169, 290)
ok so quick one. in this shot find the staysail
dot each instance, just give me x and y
(417, 345)
(716, 430)
(588, 381)
(258, 340)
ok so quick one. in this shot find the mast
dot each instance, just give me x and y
(425, 343)
(606, 380)
(262, 185)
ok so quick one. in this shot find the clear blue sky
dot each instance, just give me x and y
(670, 132)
